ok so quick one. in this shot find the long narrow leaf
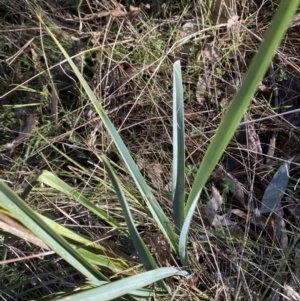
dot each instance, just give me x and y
(143, 251)
(151, 202)
(53, 181)
(178, 149)
(14, 204)
(124, 286)
(135, 295)
(276, 189)
(106, 255)
(236, 111)
(100, 260)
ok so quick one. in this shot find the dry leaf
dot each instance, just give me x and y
(186, 49)
(263, 88)
(211, 212)
(10, 225)
(279, 229)
(30, 123)
(232, 21)
(253, 141)
(211, 209)
(220, 10)
(155, 173)
(211, 53)
(117, 12)
(216, 195)
(239, 192)
(186, 30)
(224, 220)
(135, 10)
(35, 58)
(202, 90)
(239, 213)
(272, 147)
(212, 206)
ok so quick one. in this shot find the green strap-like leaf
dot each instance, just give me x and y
(235, 112)
(178, 149)
(101, 256)
(151, 202)
(14, 204)
(124, 286)
(53, 181)
(143, 251)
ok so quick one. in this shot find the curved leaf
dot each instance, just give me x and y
(124, 286)
(151, 202)
(14, 204)
(53, 181)
(276, 188)
(235, 112)
(143, 251)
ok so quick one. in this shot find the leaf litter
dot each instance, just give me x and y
(211, 210)
(276, 189)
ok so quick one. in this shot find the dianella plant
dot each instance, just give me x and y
(174, 229)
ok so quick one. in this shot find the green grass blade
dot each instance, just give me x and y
(100, 260)
(53, 181)
(151, 202)
(143, 251)
(100, 256)
(14, 204)
(139, 294)
(124, 286)
(178, 149)
(235, 112)
(80, 239)
(28, 189)
(106, 257)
